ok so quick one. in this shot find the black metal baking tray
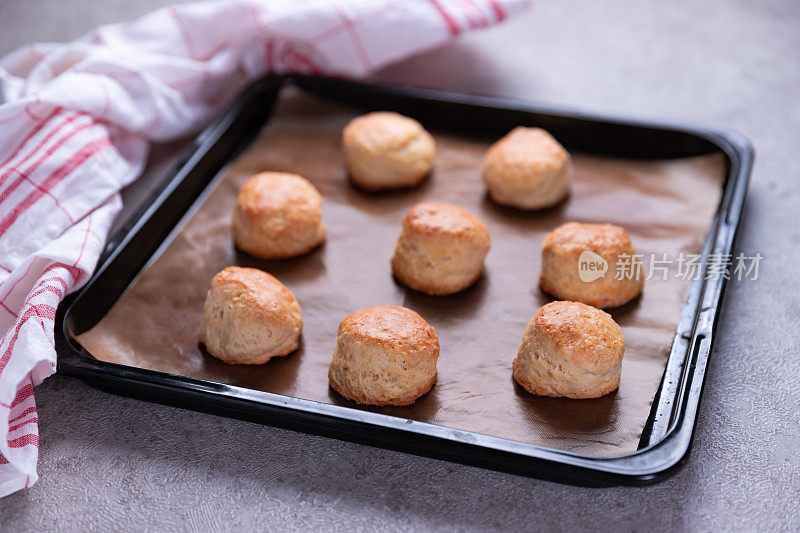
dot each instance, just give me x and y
(668, 433)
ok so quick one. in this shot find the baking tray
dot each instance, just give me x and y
(668, 432)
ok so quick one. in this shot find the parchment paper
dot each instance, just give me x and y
(666, 207)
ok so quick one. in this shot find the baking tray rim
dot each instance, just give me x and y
(646, 465)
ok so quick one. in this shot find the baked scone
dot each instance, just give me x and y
(249, 317)
(591, 263)
(441, 248)
(385, 355)
(385, 150)
(278, 215)
(527, 169)
(572, 350)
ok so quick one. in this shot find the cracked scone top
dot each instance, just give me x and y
(563, 250)
(570, 349)
(384, 355)
(249, 317)
(441, 248)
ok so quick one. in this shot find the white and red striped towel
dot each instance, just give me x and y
(76, 121)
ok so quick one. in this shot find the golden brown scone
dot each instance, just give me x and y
(278, 215)
(385, 355)
(249, 317)
(385, 150)
(441, 248)
(527, 169)
(570, 349)
(582, 262)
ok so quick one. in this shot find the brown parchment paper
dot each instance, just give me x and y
(666, 207)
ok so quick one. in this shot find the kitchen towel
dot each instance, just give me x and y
(77, 119)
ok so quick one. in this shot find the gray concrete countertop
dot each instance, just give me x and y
(108, 462)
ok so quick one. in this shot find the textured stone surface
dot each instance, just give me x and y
(108, 462)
